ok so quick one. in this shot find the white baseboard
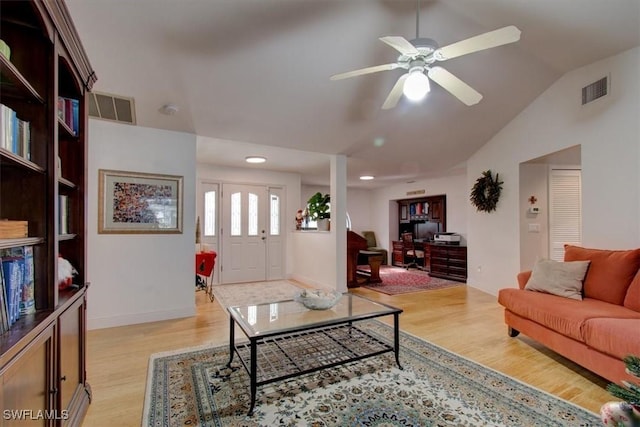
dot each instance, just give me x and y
(132, 319)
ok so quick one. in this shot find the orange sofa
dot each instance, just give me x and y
(595, 332)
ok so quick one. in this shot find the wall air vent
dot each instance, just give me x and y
(112, 107)
(595, 90)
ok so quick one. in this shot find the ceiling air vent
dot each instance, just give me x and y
(595, 90)
(112, 107)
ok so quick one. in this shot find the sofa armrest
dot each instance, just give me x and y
(523, 278)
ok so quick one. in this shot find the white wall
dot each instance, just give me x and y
(358, 204)
(608, 131)
(533, 245)
(139, 278)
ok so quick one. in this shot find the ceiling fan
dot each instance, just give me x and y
(419, 55)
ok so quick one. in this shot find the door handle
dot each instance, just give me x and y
(263, 238)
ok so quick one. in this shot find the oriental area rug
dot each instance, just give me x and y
(396, 280)
(254, 292)
(194, 387)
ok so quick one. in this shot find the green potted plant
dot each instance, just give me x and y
(627, 412)
(319, 206)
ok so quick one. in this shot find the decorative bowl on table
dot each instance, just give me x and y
(317, 299)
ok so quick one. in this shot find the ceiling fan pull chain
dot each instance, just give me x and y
(417, 19)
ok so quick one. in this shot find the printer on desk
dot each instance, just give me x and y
(447, 238)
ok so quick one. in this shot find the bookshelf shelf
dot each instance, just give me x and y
(10, 159)
(66, 130)
(16, 85)
(65, 182)
(14, 243)
(43, 347)
(68, 236)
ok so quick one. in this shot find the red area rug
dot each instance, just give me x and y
(396, 280)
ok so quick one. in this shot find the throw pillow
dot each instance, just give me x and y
(632, 300)
(371, 238)
(563, 279)
(610, 271)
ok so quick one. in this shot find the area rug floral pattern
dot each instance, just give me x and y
(396, 280)
(435, 388)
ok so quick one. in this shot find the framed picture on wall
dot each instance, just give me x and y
(136, 203)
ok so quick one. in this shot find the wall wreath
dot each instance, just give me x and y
(486, 192)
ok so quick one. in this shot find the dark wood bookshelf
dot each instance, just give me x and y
(14, 84)
(43, 353)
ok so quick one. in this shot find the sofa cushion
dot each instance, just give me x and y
(615, 337)
(371, 238)
(562, 315)
(610, 271)
(563, 279)
(632, 300)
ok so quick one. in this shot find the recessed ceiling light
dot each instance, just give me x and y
(255, 159)
(367, 177)
(378, 142)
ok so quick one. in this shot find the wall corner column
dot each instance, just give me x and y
(339, 218)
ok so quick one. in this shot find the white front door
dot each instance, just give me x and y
(244, 233)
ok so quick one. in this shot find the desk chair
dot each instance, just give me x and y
(205, 261)
(415, 257)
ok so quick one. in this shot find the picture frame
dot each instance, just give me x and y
(403, 212)
(139, 203)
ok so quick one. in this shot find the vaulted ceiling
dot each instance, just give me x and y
(252, 76)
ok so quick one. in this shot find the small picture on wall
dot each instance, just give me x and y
(135, 202)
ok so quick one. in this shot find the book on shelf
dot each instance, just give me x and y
(17, 297)
(15, 133)
(69, 112)
(63, 217)
(13, 274)
(4, 319)
(27, 294)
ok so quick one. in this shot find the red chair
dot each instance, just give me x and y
(205, 261)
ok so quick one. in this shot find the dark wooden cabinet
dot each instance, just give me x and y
(28, 382)
(436, 209)
(44, 82)
(398, 254)
(448, 262)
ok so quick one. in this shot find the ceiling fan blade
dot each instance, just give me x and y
(368, 70)
(395, 94)
(488, 40)
(401, 44)
(456, 87)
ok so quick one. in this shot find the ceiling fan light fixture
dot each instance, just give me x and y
(416, 86)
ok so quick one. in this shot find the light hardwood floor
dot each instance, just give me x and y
(462, 319)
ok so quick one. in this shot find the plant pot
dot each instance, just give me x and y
(323, 224)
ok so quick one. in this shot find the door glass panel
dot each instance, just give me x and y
(253, 214)
(210, 213)
(274, 214)
(236, 214)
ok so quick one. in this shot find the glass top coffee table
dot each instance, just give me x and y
(287, 339)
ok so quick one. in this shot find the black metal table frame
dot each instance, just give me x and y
(250, 350)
